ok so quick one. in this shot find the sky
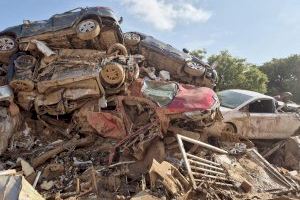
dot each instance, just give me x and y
(257, 30)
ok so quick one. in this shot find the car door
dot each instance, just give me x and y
(287, 124)
(36, 27)
(263, 119)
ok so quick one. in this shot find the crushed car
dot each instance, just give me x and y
(81, 28)
(74, 77)
(183, 67)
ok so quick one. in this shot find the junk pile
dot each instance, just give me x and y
(89, 112)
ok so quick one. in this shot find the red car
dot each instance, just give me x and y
(156, 102)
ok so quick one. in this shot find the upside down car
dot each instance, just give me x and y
(81, 28)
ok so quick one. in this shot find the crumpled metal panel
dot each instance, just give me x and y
(107, 125)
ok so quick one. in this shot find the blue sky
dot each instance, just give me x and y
(258, 30)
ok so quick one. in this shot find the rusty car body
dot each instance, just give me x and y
(253, 115)
(182, 66)
(91, 27)
(74, 77)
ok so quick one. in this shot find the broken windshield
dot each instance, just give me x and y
(232, 99)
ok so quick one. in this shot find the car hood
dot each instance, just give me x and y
(225, 110)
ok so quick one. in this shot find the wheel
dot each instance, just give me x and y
(131, 39)
(113, 73)
(194, 69)
(25, 62)
(8, 46)
(229, 128)
(117, 49)
(88, 29)
(22, 85)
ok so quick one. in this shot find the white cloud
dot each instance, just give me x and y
(164, 15)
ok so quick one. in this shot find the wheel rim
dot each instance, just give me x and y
(25, 62)
(131, 36)
(112, 74)
(87, 26)
(195, 66)
(6, 44)
(229, 129)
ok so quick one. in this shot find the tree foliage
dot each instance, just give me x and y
(200, 53)
(284, 75)
(236, 73)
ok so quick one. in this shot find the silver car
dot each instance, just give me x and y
(253, 115)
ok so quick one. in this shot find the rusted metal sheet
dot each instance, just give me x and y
(107, 125)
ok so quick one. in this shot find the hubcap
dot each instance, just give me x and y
(87, 26)
(6, 44)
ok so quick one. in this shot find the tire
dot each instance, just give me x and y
(117, 49)
(22, 85)
(194, 69)
(113, 74)
(229, 128)
(131, 39)
(24, 62)
(8, 46)
(88, 29)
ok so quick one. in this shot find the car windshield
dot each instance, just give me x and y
(232, 99)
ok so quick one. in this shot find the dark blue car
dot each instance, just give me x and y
(92, 27)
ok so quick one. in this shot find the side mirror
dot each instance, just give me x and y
(185, 50)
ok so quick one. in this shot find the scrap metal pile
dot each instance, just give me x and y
(90, 112)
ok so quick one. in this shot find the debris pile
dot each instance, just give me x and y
(89, 112)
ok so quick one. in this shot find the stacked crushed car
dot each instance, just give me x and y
(89, 112)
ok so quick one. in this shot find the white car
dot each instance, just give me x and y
(253, 115)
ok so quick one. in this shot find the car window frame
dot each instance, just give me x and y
(252, 101)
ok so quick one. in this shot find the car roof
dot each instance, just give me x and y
(250, 93)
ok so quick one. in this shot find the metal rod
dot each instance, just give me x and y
(181, 147)
(216, 183)
(210, 176)
(203, 160)
(207, 170)
(206, 165)
(271, 169)
(202, 144)
(36, 179)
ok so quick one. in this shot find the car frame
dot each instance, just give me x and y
(260, 122)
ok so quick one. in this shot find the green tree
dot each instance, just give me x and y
(236, 73)
(200, 53)
(284, 76)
